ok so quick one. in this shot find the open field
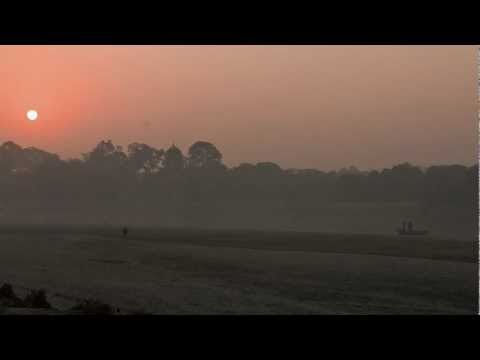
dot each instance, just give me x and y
(381, 218)
(174, 271)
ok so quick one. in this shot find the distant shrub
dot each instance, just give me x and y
(94, 307)
(6, 291)
(8, 297)
(37, 299)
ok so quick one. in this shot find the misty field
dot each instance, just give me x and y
(174, 271)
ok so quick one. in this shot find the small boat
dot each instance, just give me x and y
(412, 232)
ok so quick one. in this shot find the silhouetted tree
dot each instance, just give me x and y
(107, 171)
(105, 157)
(144, 158)
(12, 158)
(204, 155)
(173, 160)
(445, 184)
(268, 169)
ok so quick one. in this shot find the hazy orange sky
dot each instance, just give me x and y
(322, 107)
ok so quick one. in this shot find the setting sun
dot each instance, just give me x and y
(32, 115)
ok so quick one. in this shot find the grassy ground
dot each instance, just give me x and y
(171, 271)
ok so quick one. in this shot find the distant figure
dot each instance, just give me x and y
(404, 226)
(410, 226)
(125, 231)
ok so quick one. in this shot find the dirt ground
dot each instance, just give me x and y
(168, 271)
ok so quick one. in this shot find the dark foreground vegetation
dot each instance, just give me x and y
(35, 299)
(10, 303)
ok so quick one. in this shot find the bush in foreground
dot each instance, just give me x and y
(37, 299)
(8, 298)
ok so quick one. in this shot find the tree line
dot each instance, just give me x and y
(147, 181)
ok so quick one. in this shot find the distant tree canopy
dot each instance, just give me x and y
(174, 161)
(105, 157)
(194, 184)
(144, 158)
(204, 155)
(15, 159)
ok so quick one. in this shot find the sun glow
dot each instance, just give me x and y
(32, 115)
